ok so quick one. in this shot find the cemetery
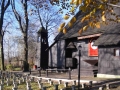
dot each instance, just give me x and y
(18, 81)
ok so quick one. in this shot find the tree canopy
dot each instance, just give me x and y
(90, 7)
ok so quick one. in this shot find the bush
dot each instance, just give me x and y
(9, 67)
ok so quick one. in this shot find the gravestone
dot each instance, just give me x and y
(73, 87)
(51, 82)
(60, 82)
(56, 86)
(1, 86)
(74, 82)
(40, 85)
(65, 84)
(8, 81)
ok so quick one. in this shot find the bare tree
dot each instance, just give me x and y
(47, 15)
(23, 24)
(4, 5)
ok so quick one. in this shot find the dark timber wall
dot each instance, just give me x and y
(108, 62)
(57, 55)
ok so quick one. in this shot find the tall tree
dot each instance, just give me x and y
(4, 5)
(47, 15)
(23, 24)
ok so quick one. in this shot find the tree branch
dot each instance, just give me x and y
(113, 5)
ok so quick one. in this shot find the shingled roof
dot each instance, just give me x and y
(111, 36)
(110, 33)
(73, 31)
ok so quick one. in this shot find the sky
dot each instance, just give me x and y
(12, 29)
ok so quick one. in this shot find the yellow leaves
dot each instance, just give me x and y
(103, 13)
(60, 29)
(72, 1)
(83, 8)
(62, 25)
(104, 0)
(80, 2)
(64, 30)
(80, 31)
(72, 9)
(91, 24)
(76, 2)
(101, 6)
(66, 17)
(85, 18)
(70, 24)
(103, 18)
(85, 28)
(97, 25)
(73, 20)
(118, 19)
(87, 2)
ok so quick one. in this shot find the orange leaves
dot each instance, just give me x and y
(103, 18)
(97, 25)
(76, 2)
(83, 29)
(66, 17)
(62, 25)
(72, 21)
(60, 29)
(64, 30)
(85, 18)
(83, 8)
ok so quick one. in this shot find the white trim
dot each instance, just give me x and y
(107, 76)
(89, 36)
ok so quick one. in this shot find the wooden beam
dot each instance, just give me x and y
(89, 36)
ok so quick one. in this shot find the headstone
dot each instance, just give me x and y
(60, 82)
(28, 85)
(19, 81)
(1, 86)
(40, 85)
(23, 78)
(56, 86)
(8, 81)
(15, 86)
(2, 81)
(32, 79)
(90, 83)
(74, 82)
(100, 88)
(43, 88)
(51, 82)
(65, 84)
(83, 85)
(73, 87)
(26, 78)
(107, 87)
(39, 81)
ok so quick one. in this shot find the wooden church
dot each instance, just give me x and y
(99, 54)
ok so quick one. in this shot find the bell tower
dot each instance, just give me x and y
(43, 39)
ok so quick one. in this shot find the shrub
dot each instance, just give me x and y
(9, 67)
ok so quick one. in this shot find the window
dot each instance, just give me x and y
(117, 52)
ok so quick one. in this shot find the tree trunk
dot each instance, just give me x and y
(25, 64)
(2, 54)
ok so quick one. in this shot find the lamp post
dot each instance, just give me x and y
(79, 48)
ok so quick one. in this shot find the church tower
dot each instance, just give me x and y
(43, 39)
